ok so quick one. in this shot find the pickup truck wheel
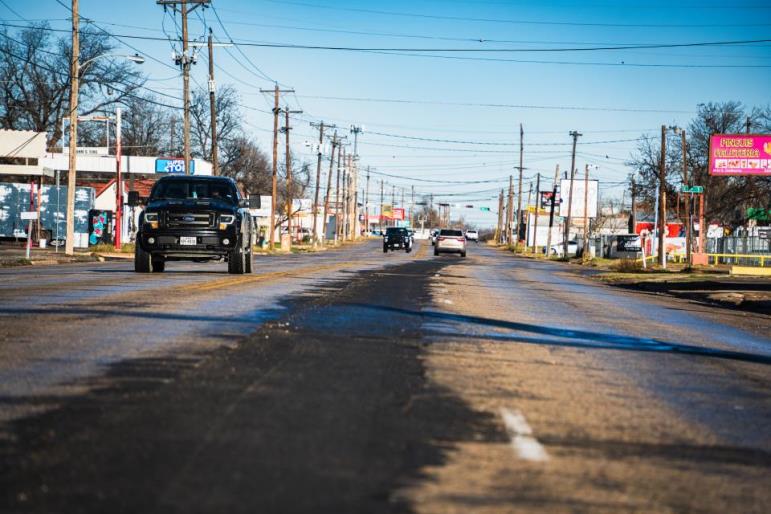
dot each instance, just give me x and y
(249, 260)
(142, 260)
(462, 254)
(436, 251)
(158, 265)
(385, 249)
(237, 260)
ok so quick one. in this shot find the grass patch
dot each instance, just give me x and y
(15, 262)
(627, 266)
(108, 248)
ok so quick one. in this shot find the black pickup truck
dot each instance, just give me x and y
(195, 219)
(396, 237)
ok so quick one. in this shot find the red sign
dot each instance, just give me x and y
(398, 214)
(740, 154)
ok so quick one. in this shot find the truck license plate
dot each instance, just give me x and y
(188, 241)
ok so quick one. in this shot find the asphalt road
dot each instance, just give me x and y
(353, 381)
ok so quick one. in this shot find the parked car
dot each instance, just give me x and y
(195, 219)
(450, 241)
(397, 238)
(472, 235)
(559, 249)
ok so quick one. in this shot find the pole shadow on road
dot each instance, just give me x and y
(574, 338)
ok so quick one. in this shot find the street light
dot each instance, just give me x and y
(69, 247)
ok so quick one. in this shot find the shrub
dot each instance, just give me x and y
(628, 266)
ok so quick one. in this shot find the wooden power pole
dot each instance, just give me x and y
(274, 191)
(519, 195)
(551, 209)
(566, 235)
(329, 185)
(663, 198)
(537, 210)
(69, 247)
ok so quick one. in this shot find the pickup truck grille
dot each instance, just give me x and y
(190, 220)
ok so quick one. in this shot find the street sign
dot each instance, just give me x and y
(764, 233)
(29, 215)
(692, 189)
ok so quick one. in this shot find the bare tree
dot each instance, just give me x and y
(228, 119)
(36, 71)
(726, 198)
(242, 160)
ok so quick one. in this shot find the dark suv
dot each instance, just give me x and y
(396, 237)
(195, 219)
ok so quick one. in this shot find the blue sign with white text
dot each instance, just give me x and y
(173, 166)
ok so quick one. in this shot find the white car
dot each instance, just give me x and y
(450, 241)
(559, 249)
(472, 235)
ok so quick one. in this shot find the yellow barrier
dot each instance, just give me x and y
(761, 257)
(680, 258)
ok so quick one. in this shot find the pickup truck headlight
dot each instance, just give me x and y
(152, 219)
(225, 220)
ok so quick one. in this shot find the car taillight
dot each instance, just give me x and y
(462, 240)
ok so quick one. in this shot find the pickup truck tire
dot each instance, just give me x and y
(462, 254)
(436, 251)
(385, 249)
(249, 259)
(237, 260)
(158, 265)
(142, 260)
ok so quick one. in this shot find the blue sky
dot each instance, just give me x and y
(597, 95)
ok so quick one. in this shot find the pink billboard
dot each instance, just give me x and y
(740, 154)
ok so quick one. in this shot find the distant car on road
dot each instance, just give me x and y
(472, 235)
(450, 241)
(559, 249)
(397, 238)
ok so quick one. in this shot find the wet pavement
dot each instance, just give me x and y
(353, 381)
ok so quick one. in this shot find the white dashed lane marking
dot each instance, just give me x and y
(525, 445)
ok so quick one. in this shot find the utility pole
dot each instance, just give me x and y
(382, 204)
(586, 212)
(185, 60)
(537, 210)
(318, 179)
(412, 206)
(748, 125)
(551, 209)
(499, 227)
(274, 192)
(526, 216)
(519, 197)
(509, 212)
(329, 185)
(689, 201)
(566, 235)
(69, 247)
(118, 181)
(213, 107)
(288, 163)
(366, 205)
(663, 197)
(337, 195)
(634, 207)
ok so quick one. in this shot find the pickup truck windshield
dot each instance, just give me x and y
(396, 231)
(195, 190)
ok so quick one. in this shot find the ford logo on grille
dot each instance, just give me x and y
(188, 219)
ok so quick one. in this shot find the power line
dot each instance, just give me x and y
(466, 19)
